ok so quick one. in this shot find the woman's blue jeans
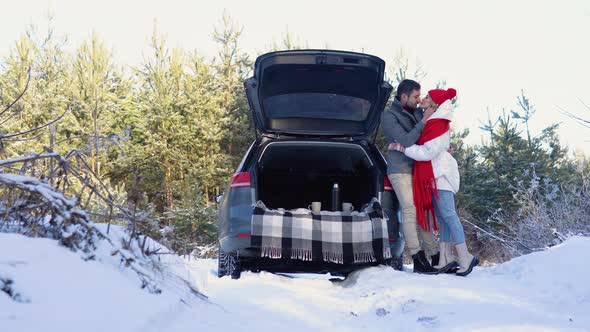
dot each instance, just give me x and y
(449, 225)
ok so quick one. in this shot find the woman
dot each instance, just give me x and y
(436, 180)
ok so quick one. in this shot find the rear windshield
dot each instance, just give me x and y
(319, 92)
(317, 106)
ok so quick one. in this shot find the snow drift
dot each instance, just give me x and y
(59, 291)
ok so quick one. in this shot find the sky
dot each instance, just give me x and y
(488, 50)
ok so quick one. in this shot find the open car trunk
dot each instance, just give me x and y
(293, 174)
(318, 92)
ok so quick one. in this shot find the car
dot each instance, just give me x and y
(316, 114)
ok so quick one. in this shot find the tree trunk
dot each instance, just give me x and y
(95, 139)
(167, 184)
(51, 147)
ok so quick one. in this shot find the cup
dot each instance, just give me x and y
(315, 207)
(347, 207)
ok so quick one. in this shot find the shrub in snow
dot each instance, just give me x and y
(7, 286)
(33, 208)
(192, 228)
(547, 215)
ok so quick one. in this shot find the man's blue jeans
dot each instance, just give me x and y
(449, 225)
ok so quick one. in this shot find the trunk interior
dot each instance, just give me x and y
(291, 175)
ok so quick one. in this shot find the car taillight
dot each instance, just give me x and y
(240, 180)
(387, 184)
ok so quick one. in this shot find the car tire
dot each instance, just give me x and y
(228, 264)
(396, 262)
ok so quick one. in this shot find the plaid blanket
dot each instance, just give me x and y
(357, 237)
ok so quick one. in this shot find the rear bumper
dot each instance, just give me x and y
(298, 266)
(242, 245)
(233, 244)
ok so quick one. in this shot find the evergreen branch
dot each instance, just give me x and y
(21, 94)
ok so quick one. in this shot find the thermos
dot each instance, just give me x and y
(335, 197)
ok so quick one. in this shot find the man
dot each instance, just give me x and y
(403, 123)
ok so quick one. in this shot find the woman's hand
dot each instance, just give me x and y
(396, 147)
(427, 114)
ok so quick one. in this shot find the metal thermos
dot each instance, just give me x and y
(335, 197)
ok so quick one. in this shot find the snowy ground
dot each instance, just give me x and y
(546, 291)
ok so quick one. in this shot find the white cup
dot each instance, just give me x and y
(347, 207)
(316, 207)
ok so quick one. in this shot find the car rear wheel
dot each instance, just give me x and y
(228, 264)
(397, 262)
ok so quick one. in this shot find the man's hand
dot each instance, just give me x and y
(427, 114)
(396, 147)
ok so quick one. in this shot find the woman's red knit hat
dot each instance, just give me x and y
(439, 96)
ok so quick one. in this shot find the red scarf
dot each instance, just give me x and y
(424, 182)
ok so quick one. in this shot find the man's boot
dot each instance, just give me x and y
(421, 264)
(435, 259)
(466, 260)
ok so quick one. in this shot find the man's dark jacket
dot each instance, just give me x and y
(401, 126)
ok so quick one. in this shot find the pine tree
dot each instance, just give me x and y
(160, 101)
(47, 95)
(208, 162)
(98, 89)
(232, 66)
(288, 42)
(14, 81)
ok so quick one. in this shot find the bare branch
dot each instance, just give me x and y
(9, 118)
(25, 139)
(28, 158)
(40, 127)
(21, 94)
(583, 122)
(583, 103)
(85, 136)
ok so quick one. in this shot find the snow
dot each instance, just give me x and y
(543, 291)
